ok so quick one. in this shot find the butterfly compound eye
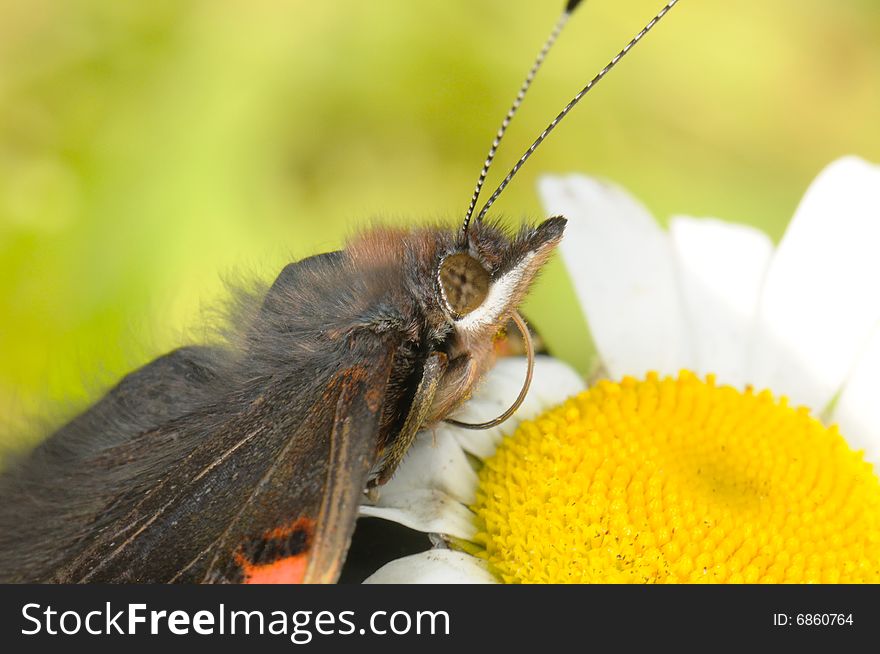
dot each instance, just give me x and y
(464, 283)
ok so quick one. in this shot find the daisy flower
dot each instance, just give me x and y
(729, 435)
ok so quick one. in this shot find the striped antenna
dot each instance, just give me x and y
(563, 19)
(570, 106)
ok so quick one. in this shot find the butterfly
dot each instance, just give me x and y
(246, 461)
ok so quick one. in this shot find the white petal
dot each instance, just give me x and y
(553, 381)
(430, 511)
(858, 409)
(621, 264)
(434, 567)
(721, 268)
(482, 443)
(435, 461)
(822, 294)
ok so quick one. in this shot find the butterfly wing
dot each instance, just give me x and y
(308, 539)
(209, 465)
(60, 489)
(272, 496)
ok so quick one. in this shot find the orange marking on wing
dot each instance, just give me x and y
(287, 568)
(291, 570)
(301, 524)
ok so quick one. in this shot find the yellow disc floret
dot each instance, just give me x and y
(678, 480)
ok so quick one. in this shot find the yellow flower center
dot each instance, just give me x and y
(678, 480)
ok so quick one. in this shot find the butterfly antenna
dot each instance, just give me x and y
(562, 114)
(563, 19)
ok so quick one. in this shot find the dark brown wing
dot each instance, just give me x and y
(311, 543)
(54, 497)
(216, 464)
(267, 499)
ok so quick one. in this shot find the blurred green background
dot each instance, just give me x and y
(148, 149)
